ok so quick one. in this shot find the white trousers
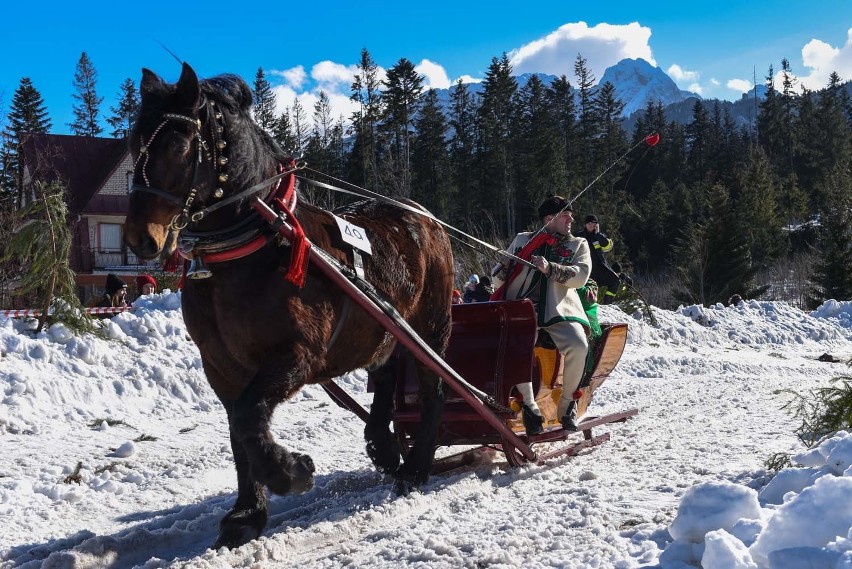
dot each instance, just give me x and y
(570, 339)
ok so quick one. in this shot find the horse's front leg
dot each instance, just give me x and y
(270, 464)
(382, 446)
(249, 515)
(418, 463)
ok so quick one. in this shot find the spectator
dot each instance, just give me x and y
(607, 279)
(457, 299)
(472, 281)
(115, 293)
(145, 285)
(483, 290)
(562, 265)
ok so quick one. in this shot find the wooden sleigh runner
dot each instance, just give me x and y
(493, 347)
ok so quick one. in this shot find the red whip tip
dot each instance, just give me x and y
(652, 139)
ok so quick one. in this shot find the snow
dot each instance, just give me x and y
(115, 453)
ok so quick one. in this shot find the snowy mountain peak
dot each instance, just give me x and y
(636, 82)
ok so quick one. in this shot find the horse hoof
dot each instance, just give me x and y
(383, 452)
(296, 474)
(239, 527)
(402, 487)
(407, 481)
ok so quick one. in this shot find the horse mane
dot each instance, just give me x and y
(234, 99)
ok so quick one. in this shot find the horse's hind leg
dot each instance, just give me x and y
(249, 515)
(418, 463)
(270, 464)
(382, 446)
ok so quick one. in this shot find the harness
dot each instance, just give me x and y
(244, 237)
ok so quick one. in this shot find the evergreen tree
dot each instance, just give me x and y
(88, 103)
(299, 127)
(403, 87)
(610, 143)
(758, 211)
(124, 113)
(585, 119)
(496, 116)
(561, 103)
(540, 169)
(365, 92)
(431, 180)
(832, 277)
(282, 132)
(714, 261)
(41, 247)
(27, 115)
(264, 102)
(462, 119)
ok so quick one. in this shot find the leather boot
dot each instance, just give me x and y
(532, 422)
(569, 419)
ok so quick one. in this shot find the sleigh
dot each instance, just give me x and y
(493, 346)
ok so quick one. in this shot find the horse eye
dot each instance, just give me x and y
(178, 144)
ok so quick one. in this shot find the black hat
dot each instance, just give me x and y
(113, 284)
(553, 205)
(591, 219)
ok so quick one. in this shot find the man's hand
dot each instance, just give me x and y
(540, 263)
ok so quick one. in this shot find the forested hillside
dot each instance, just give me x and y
(721, 205)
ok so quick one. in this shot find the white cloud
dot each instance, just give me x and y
(436, 76)
(822, 58)
(739, 85)
(696, 88)
(602, 46)
(715, 82)
(293, 77)
(468, 79)
(333, 76)
(680, 74)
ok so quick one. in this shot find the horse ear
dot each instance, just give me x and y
(150, 82)
(188, 92)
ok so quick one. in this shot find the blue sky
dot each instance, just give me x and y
(713, 49)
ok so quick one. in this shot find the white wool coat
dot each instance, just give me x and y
(558, 299)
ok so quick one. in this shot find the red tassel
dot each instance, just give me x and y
(652, 139)
(299, 249)
(577, 394)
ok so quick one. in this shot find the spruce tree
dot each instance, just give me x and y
(462, 119)
(264, 102)
(403, 87)
(27, 115)
(758, 210)
(563, 109)
(585, 119)
(832, 277)
(496, 117)
(365, 92)
(282, 132)
(714, 261)
(88, 103)
(124, 113)
(431, 182)
(41, 248)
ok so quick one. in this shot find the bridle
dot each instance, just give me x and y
(234, 241)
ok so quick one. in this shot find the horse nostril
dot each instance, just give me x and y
(148, 247)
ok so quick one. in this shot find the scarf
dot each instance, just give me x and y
(525, 253)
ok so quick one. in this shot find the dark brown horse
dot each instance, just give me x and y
(261, 337)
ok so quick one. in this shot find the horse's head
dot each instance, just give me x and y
(165, 143)
(181, 155)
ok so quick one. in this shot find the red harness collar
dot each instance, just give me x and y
(283, 199)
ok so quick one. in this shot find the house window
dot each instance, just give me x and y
(129, 180)
(109, 237)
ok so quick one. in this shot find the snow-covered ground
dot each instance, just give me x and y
(683, 484)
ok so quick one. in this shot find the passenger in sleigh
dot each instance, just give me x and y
(563, 264)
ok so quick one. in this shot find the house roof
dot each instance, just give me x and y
(82, 163)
